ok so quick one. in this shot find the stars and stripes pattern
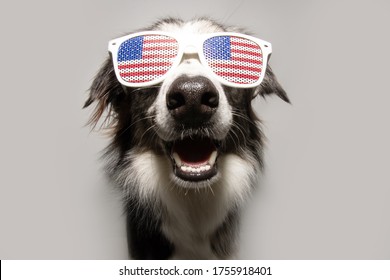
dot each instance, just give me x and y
(146, 58)
(237, 60)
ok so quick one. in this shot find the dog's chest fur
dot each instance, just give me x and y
(190, 218)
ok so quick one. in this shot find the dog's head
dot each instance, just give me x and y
(190, 121)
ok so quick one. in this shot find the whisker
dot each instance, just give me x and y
(237, 125)
(137, 121)
(144, 88)
(146, 131)
(210, 188)
(243, 116)
(231, 137)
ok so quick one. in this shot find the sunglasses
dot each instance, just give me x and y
(146, 58)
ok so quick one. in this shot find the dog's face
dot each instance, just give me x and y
(190, 123)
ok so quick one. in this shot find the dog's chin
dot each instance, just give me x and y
(194, 161)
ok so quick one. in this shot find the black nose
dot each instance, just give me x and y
(192, 101)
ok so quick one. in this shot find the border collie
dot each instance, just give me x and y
(186, 145)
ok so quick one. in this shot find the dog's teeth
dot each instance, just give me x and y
(191, 169)
(184, 168)
(177, 159)
(212, 159)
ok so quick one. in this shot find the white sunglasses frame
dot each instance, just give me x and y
(189, 44)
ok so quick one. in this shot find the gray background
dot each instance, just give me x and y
(326, 189)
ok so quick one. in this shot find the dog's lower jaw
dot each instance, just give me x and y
(191, 218)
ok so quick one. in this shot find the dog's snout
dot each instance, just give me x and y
(192, 100)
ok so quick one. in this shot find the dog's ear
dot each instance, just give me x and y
(270, 85)
(106, 92)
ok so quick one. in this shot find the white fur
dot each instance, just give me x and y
(190, 215)
(221, 120)
(190, 66)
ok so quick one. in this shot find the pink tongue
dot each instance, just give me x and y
(194, 151)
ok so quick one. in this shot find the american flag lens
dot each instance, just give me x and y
(146, 58)
(235, 59)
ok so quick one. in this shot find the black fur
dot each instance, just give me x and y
(145, 240)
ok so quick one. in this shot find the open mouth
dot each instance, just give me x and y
(194, 159)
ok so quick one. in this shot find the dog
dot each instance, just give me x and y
(186, 147)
